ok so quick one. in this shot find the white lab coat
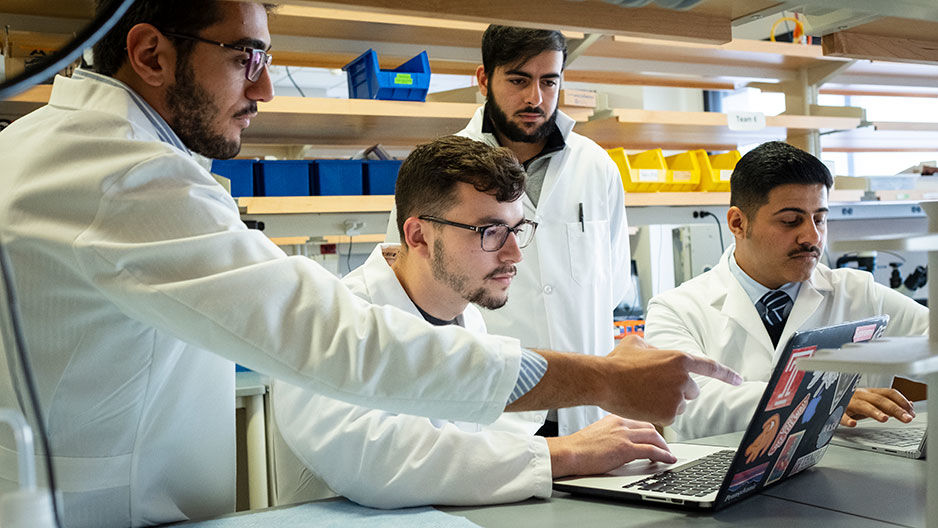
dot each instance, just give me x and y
(139, 286)
(712, 315)
(387, 460)
(573, 275)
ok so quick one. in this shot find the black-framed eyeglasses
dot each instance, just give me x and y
(257, 61)
(494, 236)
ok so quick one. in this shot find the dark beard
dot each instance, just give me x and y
(192, 112)
(512, 131)
(458, 282)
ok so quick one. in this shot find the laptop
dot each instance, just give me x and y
(892, 437)
(789, 432)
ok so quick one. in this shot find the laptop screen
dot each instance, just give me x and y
(798, 413)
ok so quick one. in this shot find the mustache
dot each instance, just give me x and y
(509, 270)
(530, 110)
(249, 110)
(814, 250)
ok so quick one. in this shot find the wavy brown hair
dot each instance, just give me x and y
(426, 182)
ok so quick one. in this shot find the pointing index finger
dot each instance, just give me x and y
(710, 368)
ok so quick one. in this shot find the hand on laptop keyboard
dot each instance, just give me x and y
(605, 445)
(878, 404)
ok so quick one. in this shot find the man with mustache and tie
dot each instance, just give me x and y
(768, 286)
(463, 227)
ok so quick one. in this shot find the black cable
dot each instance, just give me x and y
(297, 86)
(348, 260)
(701, 214)
(102, 23)
(19, 342)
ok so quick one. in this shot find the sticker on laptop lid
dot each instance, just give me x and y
(845, 382)
(826, 379)
(808, 460)
(812, 408)
(829, 426)
(764, 440)
(864, 333)
(789, 424)
(789, 381)
(788, 452)
(752, 476)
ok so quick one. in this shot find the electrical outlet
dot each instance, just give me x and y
(353, 227)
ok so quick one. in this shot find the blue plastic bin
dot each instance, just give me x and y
(336, 178)
(408, 82)
(283, 178)
(240, 172)
(380, 176)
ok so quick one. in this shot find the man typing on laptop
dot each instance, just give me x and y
(768, 286)
(462, 225)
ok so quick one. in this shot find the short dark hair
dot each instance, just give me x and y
(503, 45)
(179, 16)
(768, 166)
(426, 182)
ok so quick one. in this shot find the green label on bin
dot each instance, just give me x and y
(403, 78)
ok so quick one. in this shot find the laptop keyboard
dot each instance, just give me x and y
(701, 477)
(909, 436)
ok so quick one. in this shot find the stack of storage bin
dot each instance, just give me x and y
(308, 177)
(694, 170)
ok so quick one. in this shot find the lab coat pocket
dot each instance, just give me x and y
(588, 250)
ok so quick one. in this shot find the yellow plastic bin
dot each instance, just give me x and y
(715, 170)
(683, 172)
(642, 172)
(625, 172)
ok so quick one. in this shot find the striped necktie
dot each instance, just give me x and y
(773, 308)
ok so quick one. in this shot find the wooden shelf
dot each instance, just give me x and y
(633, 128)
(25, 102)
(301, 120)
(339, 35)
(315, 204)
(383, 203)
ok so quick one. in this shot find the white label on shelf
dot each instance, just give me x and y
(745, 120)
(648, 175)
(681, 176)
(725, 174)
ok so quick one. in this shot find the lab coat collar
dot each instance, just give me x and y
(93, 91)
(809, 299)
(564, 123)
(734, 303)
(383, 286)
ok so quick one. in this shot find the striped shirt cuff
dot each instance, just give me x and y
(533, 368)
